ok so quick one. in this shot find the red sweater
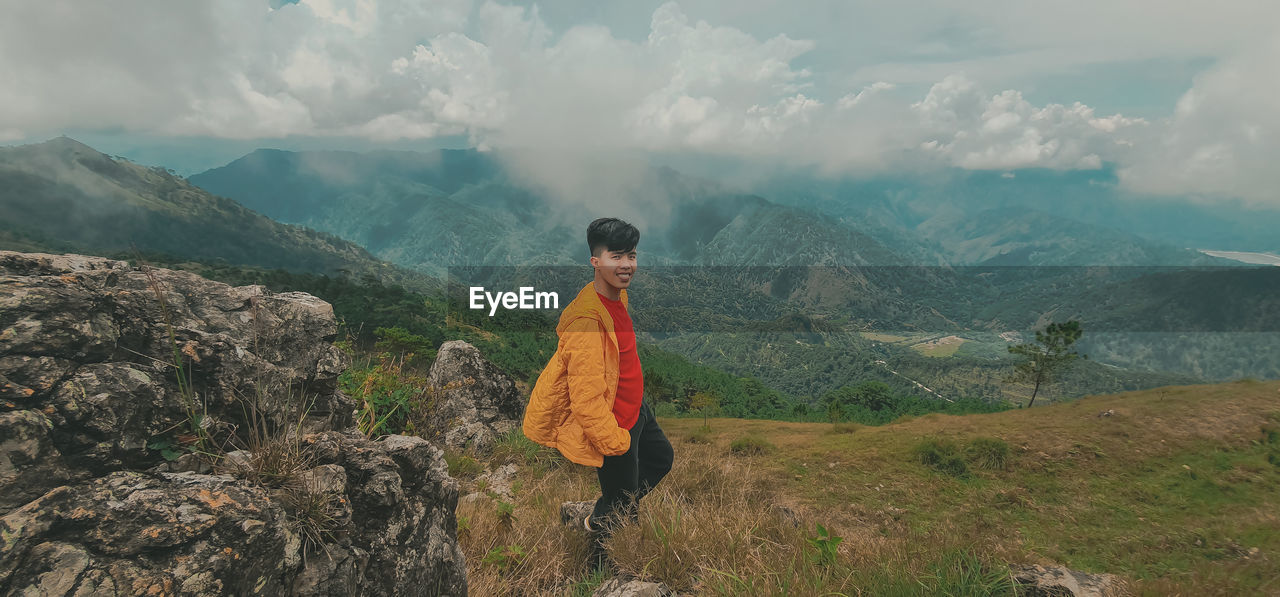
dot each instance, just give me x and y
(626, 407)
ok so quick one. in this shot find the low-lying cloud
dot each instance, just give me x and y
(499, 74)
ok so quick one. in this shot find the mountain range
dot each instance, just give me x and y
(63, 195)
(818, 258)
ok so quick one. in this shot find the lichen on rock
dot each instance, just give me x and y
(96, 428)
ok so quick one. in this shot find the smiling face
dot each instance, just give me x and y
(615, 268)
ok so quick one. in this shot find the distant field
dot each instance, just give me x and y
(883, 337)
(1177, 491)
(940, 347)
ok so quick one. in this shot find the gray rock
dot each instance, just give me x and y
(786, 515)
(219, 535)
(631, 588)
(401, 538)
(29, 463)
(475, 403)
(236, 462)
(1058, 581)
(89, 397)
(138, 532)
(499, 481)
(86, 346)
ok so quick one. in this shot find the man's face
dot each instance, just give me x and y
(616, 267)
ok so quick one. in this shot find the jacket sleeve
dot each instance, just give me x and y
(584, 352)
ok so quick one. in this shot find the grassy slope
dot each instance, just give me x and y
(1173, 493)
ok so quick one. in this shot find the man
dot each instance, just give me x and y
(588, 402)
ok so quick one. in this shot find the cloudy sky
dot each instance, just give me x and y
(1179, 95)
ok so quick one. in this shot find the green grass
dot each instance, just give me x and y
(514, 447)
(752, 445)
(942, 455)
(701, 435)
(842, 427)
(1171, 492)
(988, 453)
(462, 465)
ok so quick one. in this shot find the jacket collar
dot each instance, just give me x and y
(588, 304)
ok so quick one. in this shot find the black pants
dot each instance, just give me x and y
(626, 478)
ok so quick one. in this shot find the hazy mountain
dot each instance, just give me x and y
(1035, 216)
(877, 254)
(64, 195)
(460, 208)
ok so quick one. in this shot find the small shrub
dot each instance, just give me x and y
(464, 527)
(312, 513)
(386, 395)
(462, 466)
(825, 545)
(954, 466)
(988, 453)
(506, 512)
(515, 448)
(942, 455)
(1270, 435)
(588, 585)
(701, 435)
(504, 557)
(842, 428)
(964, 572)
(412, 348)
(751, 445)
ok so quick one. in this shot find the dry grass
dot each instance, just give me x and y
(716, 525)
(1100, 494)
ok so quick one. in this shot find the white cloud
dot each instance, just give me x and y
(1005, 131)
(393, 69)
(854, 99)
(1223, 137)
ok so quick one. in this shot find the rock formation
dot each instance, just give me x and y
(1058, 581)
(476, 402)
(104, 443)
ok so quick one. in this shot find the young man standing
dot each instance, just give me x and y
(588, 403)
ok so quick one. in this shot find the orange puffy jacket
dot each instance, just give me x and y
(571, 406)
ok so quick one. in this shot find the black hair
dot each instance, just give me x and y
(613, 234)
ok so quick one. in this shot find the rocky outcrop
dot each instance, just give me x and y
(632, 588)
(102, 489)
(86, 355)
(497, 483)
(383, 509)
(475, 402)
(1058, 581)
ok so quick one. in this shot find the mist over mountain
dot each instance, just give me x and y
(1035, 215)
(886, 252)
(62, 195)
(814, 262)
(395, 206)
(392, 203)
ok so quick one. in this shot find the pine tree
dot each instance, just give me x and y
(1048, 356)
